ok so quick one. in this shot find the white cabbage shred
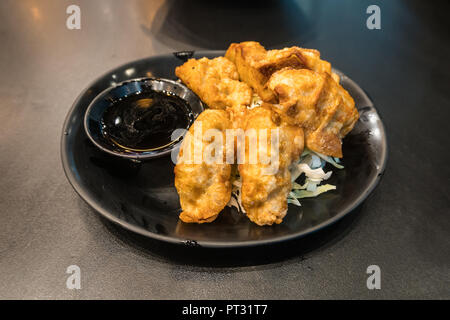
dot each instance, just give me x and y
(235, 200)
(256, 101)
(311, 164)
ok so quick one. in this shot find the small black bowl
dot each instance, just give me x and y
(142, 198)
(93, 123)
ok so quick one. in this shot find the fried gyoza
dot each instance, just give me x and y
(215, 81)
(204, 188)
(265, 186)
(314, 101)
(307, 107)
(255, 64)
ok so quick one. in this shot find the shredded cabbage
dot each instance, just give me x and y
(310, 163)
(293, 199)
(255, 102)
(317, 174)
(333, 161)
(297, 186)
(235, 200)
(300, 194)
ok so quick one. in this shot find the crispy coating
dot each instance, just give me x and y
(314, 101)
(204, 188)
(255, 64)
(216, 82)
(313, 62)
(264, 192)
(303, 101)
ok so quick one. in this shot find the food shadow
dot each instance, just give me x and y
(195, 255)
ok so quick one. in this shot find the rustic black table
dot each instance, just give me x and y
(403, 227)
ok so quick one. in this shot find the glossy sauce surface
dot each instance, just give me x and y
(145, 121)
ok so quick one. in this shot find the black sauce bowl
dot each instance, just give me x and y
(94, 114)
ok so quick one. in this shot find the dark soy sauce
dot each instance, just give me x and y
(145, 121)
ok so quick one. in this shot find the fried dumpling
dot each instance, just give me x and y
(204, 188)
(314, 101)
(255, 64)
(216, 82)
(266, 184)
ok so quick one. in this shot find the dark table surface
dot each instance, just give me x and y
(403, 227)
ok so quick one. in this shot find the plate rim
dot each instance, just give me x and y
(90, 200)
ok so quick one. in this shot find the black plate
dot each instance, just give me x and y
(141, 197)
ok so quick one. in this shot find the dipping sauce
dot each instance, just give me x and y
(145, 122)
